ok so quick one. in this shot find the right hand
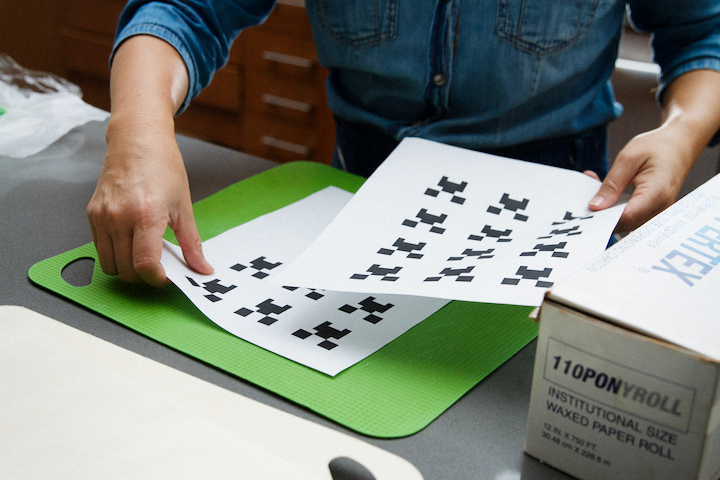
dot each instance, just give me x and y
(143, 186)
(142, 189)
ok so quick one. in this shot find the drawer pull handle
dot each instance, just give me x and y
(286, 103)
(285, 145)
(293, 3)
(287, 59)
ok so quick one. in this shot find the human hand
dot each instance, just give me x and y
(655, 164)
(142, 189)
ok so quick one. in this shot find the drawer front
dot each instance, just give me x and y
(211, 124)
(86, 53)
(224, 91)
(289, 18)
(278, 140)
(279, 55)
(99, 16)
(283, 98)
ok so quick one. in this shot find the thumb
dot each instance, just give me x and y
(188, 238)
(617, 179)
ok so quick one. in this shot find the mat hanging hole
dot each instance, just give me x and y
(79, 272)
(344, 468)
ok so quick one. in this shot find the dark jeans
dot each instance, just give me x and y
(360, 149)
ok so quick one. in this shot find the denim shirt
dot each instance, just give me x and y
(473, 73)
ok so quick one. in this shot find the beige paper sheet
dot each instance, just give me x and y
(75, 406)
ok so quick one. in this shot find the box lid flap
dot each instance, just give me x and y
(663, 279)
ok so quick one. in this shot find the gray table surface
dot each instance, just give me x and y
(42, 214)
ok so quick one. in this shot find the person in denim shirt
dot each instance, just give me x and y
(525, 79)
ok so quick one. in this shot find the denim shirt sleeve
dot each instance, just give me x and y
(201, 31)
(685, 37)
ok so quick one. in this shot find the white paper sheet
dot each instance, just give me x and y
(441, 221)
(325, 330)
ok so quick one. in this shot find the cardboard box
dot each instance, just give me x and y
(627, 373)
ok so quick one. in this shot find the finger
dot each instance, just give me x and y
(617, 179)
(104, 247)
(592, 174)
(630, 219)
(645, 202)
(123, 253)
(188, 238)
(146, 253)
(102, 240)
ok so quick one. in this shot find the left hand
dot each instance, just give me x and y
(655, 164)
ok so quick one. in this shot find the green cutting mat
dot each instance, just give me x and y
(395, 392)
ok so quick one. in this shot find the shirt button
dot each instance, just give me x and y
(439, 79)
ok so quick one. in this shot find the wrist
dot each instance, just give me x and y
(692, 109)
(128, 124)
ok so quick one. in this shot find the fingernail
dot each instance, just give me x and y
(596, 201)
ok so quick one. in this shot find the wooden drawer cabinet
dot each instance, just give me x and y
(282, 99)
(268, 137)
(269, 100)
(86, 54)
(285, 92)
(279, 55)
(99, 16)
(289, 18)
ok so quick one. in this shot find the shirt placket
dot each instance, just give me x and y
(437, 92)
